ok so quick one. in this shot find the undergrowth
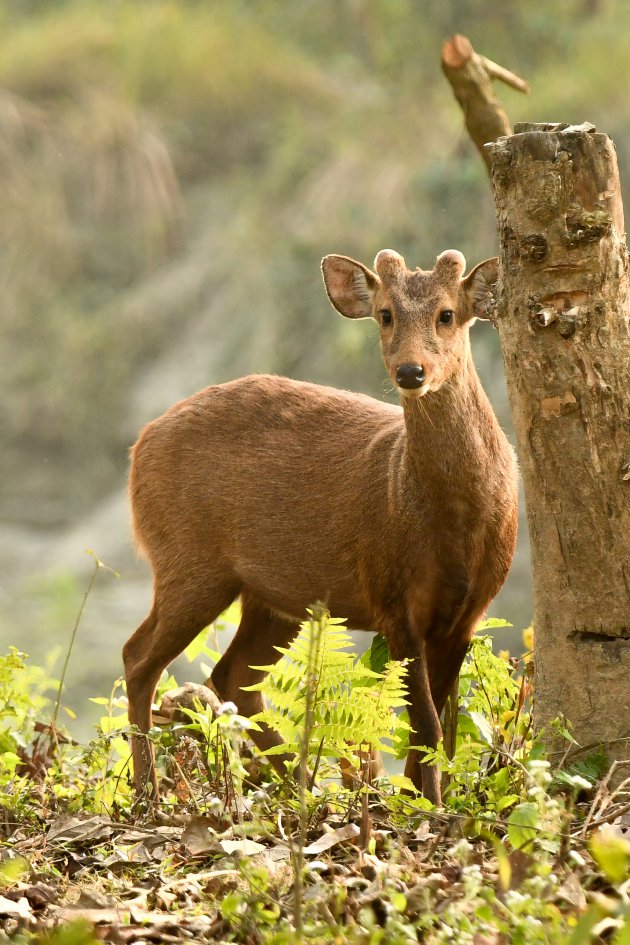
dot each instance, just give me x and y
(518, 853)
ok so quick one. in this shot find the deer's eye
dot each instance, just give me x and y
(386, 316)
(447, 316)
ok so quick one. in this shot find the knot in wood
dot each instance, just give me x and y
(586, 226)
(534, 247)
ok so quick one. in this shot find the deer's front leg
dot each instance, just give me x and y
(423, 717)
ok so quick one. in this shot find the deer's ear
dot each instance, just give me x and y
(350, 286)
(480, 286)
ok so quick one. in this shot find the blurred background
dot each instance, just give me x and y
(172, 174)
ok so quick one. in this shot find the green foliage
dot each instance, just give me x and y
(108, 755)
(92, 779)
(353, 705)
(222, 735)
(612, 853)
(519, 867)
(487, 773)
(79, 932)
(22, 702)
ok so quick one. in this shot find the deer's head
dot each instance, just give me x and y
(424, 316)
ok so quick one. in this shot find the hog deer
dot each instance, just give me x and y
(287, 493)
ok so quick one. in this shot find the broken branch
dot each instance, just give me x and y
(470, 76)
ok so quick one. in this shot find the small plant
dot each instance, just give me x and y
(108, 756)
(494, 741)
(23, 700)
(352, 706)
(222, 736)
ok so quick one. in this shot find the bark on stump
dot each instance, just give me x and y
(563, 317)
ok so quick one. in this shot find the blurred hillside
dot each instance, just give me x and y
(172, 174)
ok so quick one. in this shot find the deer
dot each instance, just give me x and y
(401, 518)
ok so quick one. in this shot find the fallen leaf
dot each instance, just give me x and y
(329, 840)
(571, 891)
(39, 895)
(20, 908)
(67, 828)
(199, 836)
(246, 847)
(93, 916)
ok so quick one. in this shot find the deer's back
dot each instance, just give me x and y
(285, 482)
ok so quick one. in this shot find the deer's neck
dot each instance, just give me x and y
(454, 440)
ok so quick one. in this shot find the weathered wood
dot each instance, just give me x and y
(470, 76)
(564, 320)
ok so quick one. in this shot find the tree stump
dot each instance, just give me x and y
(563, 318)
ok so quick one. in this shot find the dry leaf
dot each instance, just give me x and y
(78, 829)
(329, 840)
(245, 847)
(19, 909)
(200, 837)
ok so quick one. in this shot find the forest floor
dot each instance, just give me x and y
(521, 851)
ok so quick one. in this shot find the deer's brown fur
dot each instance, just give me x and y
(287, 493)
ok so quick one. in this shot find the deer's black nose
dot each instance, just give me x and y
(410, 376)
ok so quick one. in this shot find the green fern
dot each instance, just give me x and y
(352, 706)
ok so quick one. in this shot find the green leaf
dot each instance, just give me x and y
(493, 623)
(504, 865)
(582, 932)
(622, 936)
(379, 654)
(522, 825)
(403, 783)
(399, 902)
(231, 616)
(483, 727)
(13, 870)
(506, 802)
(612, 854)
(230, 905)
(197, 646)
(501, 781)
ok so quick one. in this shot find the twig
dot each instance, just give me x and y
(495, 71)
(617, 812)
(314, 671)
(598, 797)
(318, 759)
(592, 746)
(182, 775)
(605, 802)
(484, 690)
(98, 564)
(522, 695)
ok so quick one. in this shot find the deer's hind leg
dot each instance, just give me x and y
(181, 609)
(259, 632)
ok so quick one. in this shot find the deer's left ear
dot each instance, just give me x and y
(350, 286)
(480, 286)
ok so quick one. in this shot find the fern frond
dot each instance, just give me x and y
(354, 705)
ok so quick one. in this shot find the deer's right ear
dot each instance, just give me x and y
(350, 286)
